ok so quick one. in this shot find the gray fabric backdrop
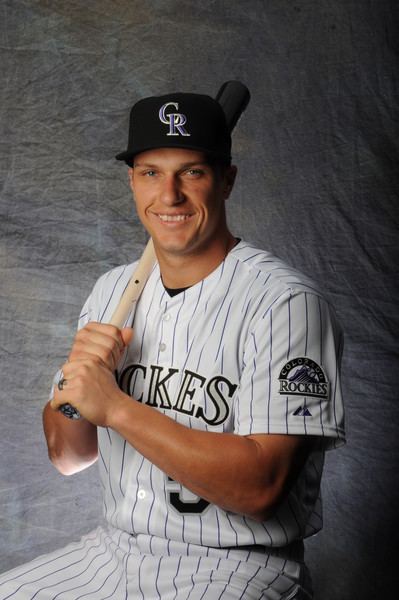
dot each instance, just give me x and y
(317, 153)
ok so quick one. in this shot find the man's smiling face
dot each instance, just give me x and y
(180, 199)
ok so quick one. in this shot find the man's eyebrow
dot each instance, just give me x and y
(195, 163)
(144, 165)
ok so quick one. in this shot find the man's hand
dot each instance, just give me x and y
(102, 343)
(90, 387)
(89, 382)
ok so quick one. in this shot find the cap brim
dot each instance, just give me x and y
(129, 156)
(124, 155)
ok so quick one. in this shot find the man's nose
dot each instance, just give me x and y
(171, 192)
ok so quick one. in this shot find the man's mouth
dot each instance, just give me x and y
(173, 218)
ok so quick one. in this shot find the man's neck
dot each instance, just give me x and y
(185, 271)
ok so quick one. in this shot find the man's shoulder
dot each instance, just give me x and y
(262, 268)
(118, 275)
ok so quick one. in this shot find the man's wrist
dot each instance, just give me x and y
(120, 410)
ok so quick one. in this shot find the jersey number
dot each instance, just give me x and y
(184, 501)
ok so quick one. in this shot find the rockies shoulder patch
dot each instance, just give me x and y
(303, 377)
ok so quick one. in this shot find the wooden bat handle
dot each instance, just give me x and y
(135, 286)
(128, 299)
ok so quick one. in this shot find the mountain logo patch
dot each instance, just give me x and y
(303, 377)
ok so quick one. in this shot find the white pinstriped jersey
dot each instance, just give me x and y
(253, 348)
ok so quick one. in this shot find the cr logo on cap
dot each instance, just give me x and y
(175, 120)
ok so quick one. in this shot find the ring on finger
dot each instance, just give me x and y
(62, 382)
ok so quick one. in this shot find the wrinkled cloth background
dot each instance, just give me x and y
(317, 151)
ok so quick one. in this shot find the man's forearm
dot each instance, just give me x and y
(246, 475)
(72, 445)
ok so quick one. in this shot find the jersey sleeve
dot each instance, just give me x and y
(290, 382)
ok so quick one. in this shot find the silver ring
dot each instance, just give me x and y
(61, 384)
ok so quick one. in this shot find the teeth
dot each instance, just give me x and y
(170, 218)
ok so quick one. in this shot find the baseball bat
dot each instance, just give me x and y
(128, 299)
(233, 96)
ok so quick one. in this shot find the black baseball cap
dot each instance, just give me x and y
(179, 120)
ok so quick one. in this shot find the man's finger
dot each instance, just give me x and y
(127, 335)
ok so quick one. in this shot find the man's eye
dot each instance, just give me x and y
(149, 173)
(194, 172)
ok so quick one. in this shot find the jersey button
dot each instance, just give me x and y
(141, 494)
(166, 317)
(162, 347)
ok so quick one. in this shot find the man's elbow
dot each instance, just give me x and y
(67, 465)
(265, 503)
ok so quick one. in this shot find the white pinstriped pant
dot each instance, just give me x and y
(108, 563)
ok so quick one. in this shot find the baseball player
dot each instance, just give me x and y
(210, 412)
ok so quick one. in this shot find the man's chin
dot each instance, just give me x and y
(176, 248)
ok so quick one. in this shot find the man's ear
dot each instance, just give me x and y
(229, 179)
(130, 175)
